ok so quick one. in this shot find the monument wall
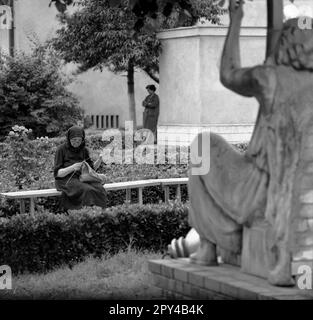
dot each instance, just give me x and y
(192, 97)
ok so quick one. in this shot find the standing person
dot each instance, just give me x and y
(69, 158)
(151, 114)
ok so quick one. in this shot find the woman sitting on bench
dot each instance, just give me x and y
(69, 159)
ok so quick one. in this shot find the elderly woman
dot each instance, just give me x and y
(69, 158)
(151, 114)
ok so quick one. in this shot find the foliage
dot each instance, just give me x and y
(97, 36)
(44, 241)
(24, 158)
(33, 93)
(148, 12)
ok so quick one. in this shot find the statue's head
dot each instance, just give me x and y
(295, 46)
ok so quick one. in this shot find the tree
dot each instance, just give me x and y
(153, 8)
(33, 94)
(99, 35)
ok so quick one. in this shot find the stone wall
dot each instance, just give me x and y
(179, 279)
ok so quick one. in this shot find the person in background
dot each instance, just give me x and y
(151, 113)
(67, 165)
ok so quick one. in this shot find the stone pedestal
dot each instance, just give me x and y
(179, 279)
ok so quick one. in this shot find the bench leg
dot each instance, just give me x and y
(32, 206)
(166, 194)
(22, 206)
(128, 195)
(140, 201)
(178, 193)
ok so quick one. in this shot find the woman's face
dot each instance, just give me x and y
(76, 142)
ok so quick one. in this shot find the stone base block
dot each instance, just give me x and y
(180, 279)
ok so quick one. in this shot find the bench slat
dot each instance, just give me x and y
(109, 187)
(174, 181)
(132, 184)
(31, 194)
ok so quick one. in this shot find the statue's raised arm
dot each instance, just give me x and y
(258, 81)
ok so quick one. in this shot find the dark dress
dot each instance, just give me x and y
(76, 194)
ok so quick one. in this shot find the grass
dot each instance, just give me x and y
(122, 276)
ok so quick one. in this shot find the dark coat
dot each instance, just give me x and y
(151, 113)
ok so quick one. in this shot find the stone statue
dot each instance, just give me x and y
(264, 184)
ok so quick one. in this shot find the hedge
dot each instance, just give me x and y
(48, 240)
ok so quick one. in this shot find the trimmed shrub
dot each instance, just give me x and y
(34, 93)
(45, 241)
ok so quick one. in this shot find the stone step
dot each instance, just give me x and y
(182, 278)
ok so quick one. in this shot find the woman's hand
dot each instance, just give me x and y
(97, 163)
(68, 170)
(102, 176)
(76, 166)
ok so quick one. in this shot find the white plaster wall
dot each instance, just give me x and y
(191, 92)
(179, 79)
(218, 104)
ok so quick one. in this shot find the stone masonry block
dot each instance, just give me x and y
(198, 279)
(306, 154)
(306, 211)
(310, 224)
(167, 271)
(306, 182)
(178, 286)
(307, 197)
(228, 289)
(160, 281)
(212, 284)
(171, 284)
(306, 239)
(154, 267)
(301, 225)
(194, 292)
(181, 275)
(296, 266)
(203, 294)
(186, 289)
(304, 253)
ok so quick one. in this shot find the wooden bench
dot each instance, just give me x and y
(128, 186)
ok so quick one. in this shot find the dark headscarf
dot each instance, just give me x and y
(74, 132)
(151, 87)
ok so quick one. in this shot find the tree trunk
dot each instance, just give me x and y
(131, 94)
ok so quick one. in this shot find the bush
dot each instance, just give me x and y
(45, 241)
(33, 93)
